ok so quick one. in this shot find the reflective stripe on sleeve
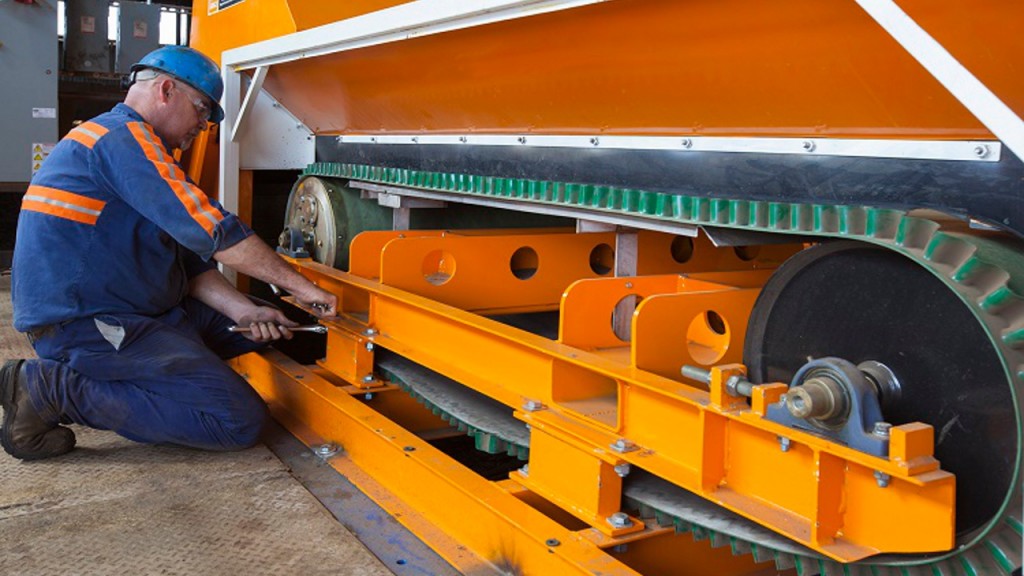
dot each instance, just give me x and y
(87, 134)
(190, 196)
(62, 204)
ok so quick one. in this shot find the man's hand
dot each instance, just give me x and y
(323, 303)
(266, 324)
(254, 258)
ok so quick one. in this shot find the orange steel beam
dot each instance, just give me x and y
(817, 492)
(495, 273)
(481, 515)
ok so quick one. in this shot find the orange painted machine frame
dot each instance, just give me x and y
(643, 67)
(585, 403)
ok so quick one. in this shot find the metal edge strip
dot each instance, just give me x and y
(402, 22)
(964, 150)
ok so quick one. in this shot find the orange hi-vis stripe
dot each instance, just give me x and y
(63, 204)
(192, 198)
(87, 134)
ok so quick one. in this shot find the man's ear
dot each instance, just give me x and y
(166, 85)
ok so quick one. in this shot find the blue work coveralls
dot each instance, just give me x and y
(110, 232)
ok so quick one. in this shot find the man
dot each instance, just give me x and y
(115, 283)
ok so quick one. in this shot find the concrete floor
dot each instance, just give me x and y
(113, 506)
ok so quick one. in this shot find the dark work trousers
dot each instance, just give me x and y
(157, 380)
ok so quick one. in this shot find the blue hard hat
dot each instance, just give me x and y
(191, 67)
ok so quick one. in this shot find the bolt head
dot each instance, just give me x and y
(623, 445)
(687, 143)
(368, 378)
(622, 470)
(981, 151)
(552, 542)
(326, 450)
(369, 346)
(532, 406)
(784, 443)
(732, 383)
(882, 478)
(620, 520)
(882, 429)
(809, 145)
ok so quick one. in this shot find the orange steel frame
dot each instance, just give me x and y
(591, 392)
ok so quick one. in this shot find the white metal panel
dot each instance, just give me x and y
(270, 138)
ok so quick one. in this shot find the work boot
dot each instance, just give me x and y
(24, 434)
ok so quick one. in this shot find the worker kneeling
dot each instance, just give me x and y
(115, 281)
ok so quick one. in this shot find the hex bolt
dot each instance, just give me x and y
(533, 405)
(622, 445)
(462, 139)
(882, 429)
(687, 143)
(525, 470)
(620, 520)
(369, 346)
(809, 145)
(737, 385)
(981, 151)
(595, 141)
(415, 139)
(370, 332)
(882, 478)
(552, 542)
(622, 470)
(326, 450)
(368, 396)
(521, 139)
(368, 378)
(784, 443)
